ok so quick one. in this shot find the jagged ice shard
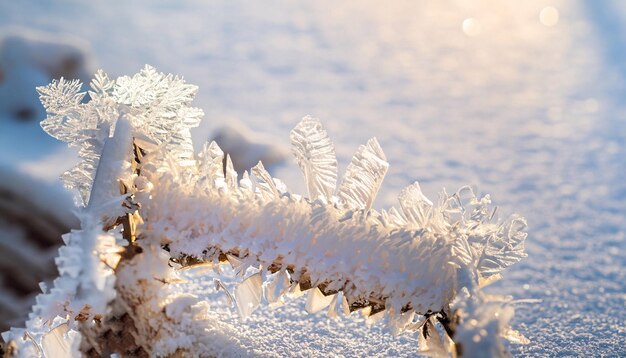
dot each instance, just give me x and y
(151, 206)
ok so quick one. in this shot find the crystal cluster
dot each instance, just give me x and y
(418, 266)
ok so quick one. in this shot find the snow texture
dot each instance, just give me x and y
(534, 114)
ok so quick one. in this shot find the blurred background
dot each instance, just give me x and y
(523, 100)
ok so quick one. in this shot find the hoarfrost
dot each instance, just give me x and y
(230, 174)
(55, 343)
(364, 176)
(277, 286)
(210, 162)
(421, 268)
(159, 104)
(317, 301)
(265, 184)
(248, 294)
(315, 155)
(415, 205)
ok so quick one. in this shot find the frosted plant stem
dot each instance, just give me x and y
(152, 206)
(113, 163)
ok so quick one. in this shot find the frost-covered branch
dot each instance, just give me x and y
(152, 207)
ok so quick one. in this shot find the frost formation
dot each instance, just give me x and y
(159, 104)
(153, 207)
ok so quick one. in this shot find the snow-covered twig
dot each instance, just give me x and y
(151, 206)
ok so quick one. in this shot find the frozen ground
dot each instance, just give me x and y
(532, 114)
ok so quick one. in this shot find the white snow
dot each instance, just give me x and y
(532, 114)
(30, 58)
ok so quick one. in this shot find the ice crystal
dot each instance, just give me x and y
(415, 206)
(483, 319)
(419, 267)
(364, 176)
(317, 301)
(249, 294)
(210, 162)
(159, 104)
(315, 155)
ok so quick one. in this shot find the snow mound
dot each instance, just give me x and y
(29, 59)
(245, 148)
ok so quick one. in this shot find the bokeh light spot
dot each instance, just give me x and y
(471, 27)
(549, 16)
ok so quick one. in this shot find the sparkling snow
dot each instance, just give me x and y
(526, 107)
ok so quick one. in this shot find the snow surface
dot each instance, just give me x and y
(531, 114)
(31, 58)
